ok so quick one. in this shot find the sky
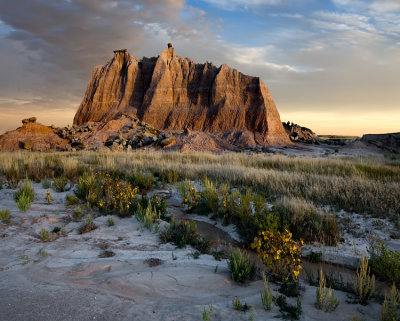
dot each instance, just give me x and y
(330, 65)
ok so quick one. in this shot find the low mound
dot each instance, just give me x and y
(32, 136)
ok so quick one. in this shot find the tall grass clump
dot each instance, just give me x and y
(25, 195)
(325, 298)
(209, 199)
(241, 267)
(143, 181)
(5, 215)
(267, 296)
(46, 183)
(364, 284)
(148, 215)
(391, 306)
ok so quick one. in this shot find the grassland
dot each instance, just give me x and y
(363, 185)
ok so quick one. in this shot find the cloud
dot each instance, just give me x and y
(237, 4)
(259, 56)
(49, 47)
(84, 31)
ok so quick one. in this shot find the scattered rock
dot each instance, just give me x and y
(153, 261)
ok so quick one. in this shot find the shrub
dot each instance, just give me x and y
(88, 226)
(110, 194)
(209, 201)
(384, 263)
(172, 177)
(290, 288)
(247, 212)
(185, 233)
(71, 200)
(280, 252)
(110, 221)
(364, 284)
(59, 184)
(207, 314)
(25, 195)
(12, 177)
(24, 203)
(240, 266)
(390, 308)
(237, 305)
(45, 235)
(267, 295)
(157, 203)
(289, 311)
(307, 222)
(325, 299)
(46, 184)
(78, 213)
(5, 215)
(190, 198)
(147, 215)
(143, 181)
(26, 191)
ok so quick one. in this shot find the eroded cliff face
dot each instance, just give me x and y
(170, 92)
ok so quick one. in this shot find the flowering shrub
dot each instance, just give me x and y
(108, 193)
(190, 198)
(116, 195)
(280, 252)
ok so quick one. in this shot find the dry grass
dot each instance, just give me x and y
(358, 184)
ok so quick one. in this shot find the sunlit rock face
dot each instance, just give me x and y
(171, 92)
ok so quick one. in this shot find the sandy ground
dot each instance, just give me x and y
(71, 282)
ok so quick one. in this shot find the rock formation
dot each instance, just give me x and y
(174, 93)
(32, 136)
(390, 141)
(299, 133)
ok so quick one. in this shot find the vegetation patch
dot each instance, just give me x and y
(5, 215)
(87, 226)
(279, 252)
(25, 195)
(59, 184)
(241, 267)
(384, 263)
(185, 233)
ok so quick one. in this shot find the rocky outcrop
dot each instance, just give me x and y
(174, 93)
(299, 133)
(390, 141)
(32, 136)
